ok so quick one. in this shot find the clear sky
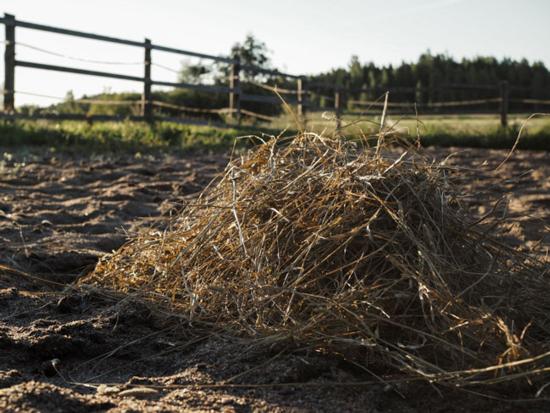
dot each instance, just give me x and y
(304, 36)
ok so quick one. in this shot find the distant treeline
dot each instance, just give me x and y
(438, 77)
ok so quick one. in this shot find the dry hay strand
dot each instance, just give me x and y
(327, 243)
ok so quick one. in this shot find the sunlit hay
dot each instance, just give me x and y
(326, 243)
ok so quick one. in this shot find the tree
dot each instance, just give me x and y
(355, 73)
(192, 73)
(252, 52)
(69, 97)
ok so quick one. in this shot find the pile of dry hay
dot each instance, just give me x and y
(326, 243)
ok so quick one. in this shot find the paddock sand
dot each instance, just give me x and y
(60, 212)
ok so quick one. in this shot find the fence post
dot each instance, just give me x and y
(9, 64)
(235, 90)
(504, 104)
(146, 101)
(338, 107)
(301, 94)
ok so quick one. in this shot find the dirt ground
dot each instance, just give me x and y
(71, 350)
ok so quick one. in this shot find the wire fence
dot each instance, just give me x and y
(75, 58)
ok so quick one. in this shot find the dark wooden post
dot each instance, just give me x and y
(338, 107)
(235, 89)
(9, 64)
(146, 101)
(504, 104)
(301, 94)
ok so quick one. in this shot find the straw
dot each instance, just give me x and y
(330, 243)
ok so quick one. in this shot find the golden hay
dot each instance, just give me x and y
(325, 243)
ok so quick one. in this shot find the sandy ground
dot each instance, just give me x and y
(63, 349)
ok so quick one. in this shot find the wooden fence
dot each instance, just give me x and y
(498, 103)
(233, 89)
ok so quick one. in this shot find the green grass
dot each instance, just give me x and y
(473, 131)
(482, 131)
(486, 132)
(115, 136)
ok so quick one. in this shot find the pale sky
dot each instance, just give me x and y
(304, 36)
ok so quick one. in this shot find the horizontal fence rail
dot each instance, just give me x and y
(242, 87)
(10, 20)
(66, 69)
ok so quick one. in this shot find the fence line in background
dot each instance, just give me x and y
(503, 101)
(299, 96)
